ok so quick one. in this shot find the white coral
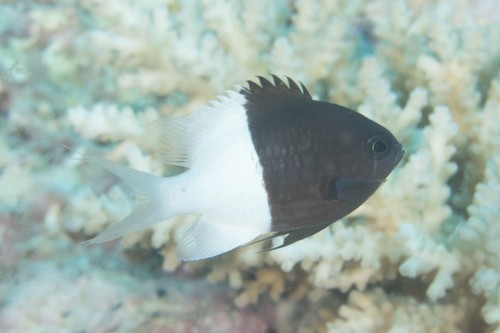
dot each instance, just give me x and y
(428, 70)
(425, 255)
(326, 256)
(109, 123)
(479, 239)
(376, 311)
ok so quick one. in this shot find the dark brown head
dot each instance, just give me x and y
(320, 160)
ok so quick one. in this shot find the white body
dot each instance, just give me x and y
(224, 182)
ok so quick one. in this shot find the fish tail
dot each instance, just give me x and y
(150, 207)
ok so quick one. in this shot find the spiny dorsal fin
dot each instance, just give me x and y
(276, 89)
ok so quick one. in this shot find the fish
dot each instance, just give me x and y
(263, 159)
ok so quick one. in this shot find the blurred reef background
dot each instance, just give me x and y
(422, 255)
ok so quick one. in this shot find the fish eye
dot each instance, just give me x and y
(377, 146)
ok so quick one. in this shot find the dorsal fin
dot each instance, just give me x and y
(277, 89)
(176, 140)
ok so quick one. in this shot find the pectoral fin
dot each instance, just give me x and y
(349, 189)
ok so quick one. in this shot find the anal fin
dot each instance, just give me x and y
(206, 238)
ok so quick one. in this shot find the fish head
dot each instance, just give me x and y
(363, 154)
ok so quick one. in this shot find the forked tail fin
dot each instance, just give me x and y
(149, 209)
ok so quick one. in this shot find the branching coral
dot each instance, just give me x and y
(478, 238)
(428, 70)
(376, 311)
(411, 240)
(107, 123)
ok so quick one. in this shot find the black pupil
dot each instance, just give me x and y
(379, 147)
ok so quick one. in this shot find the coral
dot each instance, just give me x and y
(376, 311)
(110, 123)
(420, 255)
(478, 239)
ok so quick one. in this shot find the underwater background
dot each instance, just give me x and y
(77, 77)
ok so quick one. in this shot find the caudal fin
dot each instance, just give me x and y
(149, 208)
